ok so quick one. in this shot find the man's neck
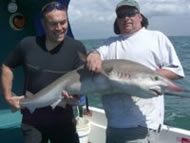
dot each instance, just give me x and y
(132, 33)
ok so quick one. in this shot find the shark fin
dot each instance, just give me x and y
(55, 103)
(31, 109)
(62, 103)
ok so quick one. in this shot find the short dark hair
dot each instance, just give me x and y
(51, 6)
(144, 22)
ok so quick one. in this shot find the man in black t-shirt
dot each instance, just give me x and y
(44, 59)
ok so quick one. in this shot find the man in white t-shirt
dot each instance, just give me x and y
(132, 119)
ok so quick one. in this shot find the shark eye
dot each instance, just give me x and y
(156, 78)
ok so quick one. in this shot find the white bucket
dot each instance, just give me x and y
(83, 129)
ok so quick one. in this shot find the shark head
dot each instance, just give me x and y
(142, 84)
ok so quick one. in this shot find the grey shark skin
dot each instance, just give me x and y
(117, 77)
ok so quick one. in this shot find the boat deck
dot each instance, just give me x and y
(10, 129)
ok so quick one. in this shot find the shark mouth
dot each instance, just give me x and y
(156, 92)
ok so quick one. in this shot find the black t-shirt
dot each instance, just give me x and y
(41, 67)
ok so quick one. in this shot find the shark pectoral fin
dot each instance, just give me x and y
(31, 109)
(62, 104)
(28, 94)
(55, 103)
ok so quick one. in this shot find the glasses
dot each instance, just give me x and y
(51, 6)
(128, 13)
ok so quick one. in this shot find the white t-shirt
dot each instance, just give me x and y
(154, 50)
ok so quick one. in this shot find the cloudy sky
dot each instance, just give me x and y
(93, 19)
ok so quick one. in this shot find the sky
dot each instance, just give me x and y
(93, 19)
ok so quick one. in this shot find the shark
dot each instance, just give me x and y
(117, 76)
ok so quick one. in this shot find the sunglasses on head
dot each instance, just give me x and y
(128, 13)
(51, 6)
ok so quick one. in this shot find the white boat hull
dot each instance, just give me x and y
(98, 127)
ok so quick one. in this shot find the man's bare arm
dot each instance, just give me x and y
(6, 82)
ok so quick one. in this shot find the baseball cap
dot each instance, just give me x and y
(131, 3)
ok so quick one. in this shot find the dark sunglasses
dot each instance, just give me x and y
(51, 6)
(129, 13)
